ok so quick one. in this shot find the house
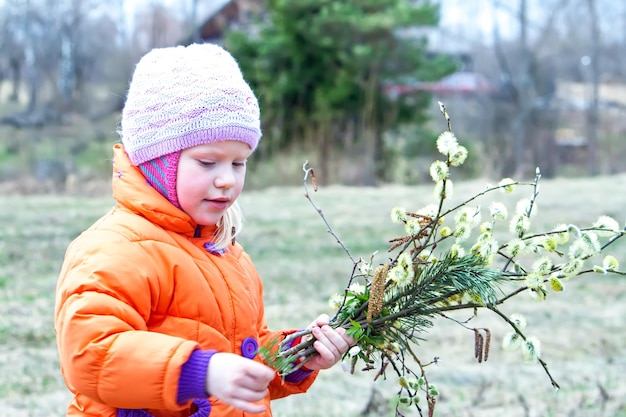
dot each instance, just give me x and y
(216, 16)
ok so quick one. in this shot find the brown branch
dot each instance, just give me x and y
(523, 336)
(307, 173)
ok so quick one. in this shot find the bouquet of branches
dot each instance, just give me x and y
(436, 267)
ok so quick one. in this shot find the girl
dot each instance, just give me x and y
(158, 311)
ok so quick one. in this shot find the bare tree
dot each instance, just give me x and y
(523, 95)
(18, 26)
(156, 26)
(526, 107)
(55, 45)
(193, 24)
(11, 35)
(592, 113)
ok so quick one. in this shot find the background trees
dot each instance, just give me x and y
(320, 68)
(349, 82)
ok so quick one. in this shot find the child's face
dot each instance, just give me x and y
(210, 178)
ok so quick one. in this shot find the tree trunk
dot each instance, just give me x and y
(325, 146)
(592, 112)
(523, 109)
(195, 34)
(32, 77)
(66, 70)
(16, 78)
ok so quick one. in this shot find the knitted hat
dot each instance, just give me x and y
(180, 97)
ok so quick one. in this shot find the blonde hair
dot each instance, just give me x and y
(228, 227)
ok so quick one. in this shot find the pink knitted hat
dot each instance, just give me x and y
(180, 97)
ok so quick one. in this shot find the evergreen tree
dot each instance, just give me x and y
(319, 68)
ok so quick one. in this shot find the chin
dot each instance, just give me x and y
(208, 220)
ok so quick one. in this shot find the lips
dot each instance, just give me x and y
(219, 203)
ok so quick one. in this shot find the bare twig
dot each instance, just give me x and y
(309, 172)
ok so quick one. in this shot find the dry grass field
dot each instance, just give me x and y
(583, 329)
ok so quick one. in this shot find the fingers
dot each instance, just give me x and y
(330, 345)
(238, 381)
(322, 320)
(247, 406)
(260, 375)
(349, 339)
(337, 337)
(247, 400)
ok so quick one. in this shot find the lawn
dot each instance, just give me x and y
(582, 329)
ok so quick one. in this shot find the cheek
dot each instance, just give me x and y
(241, 180)
(191, 182)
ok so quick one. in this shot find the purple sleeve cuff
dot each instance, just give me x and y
(192, 381)
(297, 375)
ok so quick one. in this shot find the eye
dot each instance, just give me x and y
(239, 164)
(205, 163)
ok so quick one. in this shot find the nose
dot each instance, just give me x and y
(225, 178)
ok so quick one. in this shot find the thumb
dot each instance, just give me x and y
(321, 320)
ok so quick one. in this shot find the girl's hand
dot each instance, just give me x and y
(330, 345)
(238, 381)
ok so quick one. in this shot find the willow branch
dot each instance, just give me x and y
(523, 336)
(310, 172)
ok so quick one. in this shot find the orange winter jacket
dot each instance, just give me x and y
(138, 293)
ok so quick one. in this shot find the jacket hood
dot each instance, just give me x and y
(132, 191)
